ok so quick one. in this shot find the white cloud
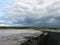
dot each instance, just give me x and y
(52, 20)
(34, 9)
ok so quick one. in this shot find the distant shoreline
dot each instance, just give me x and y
(35, 28)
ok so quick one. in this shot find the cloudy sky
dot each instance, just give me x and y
(33, 13)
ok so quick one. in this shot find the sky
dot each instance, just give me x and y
(30, 13)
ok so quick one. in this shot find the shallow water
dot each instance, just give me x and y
(13, 37)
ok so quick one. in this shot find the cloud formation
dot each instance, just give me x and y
(34, 13)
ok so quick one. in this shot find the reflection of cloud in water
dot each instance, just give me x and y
(17, 35)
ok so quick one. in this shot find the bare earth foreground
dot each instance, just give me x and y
(16, 37)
